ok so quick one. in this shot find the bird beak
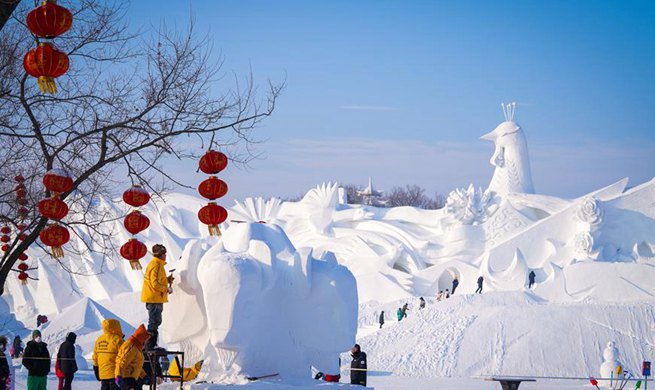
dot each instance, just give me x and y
(491, 136)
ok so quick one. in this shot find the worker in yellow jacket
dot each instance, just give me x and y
(129, 361)
(105, 351)
(156, 287)
(189, 374)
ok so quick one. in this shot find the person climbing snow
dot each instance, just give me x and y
(105, 351)
(399, 314)
(421, 304)
(381, 319)
(66, 364)
(405, 308)
(129, 360)
(156, 287)
(440, 296)
(36, 359)
(531, 277)
(358, 366)
(4, 364)
(480, 282)
(455, 284)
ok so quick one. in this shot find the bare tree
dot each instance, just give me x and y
(412, 195)
(351, 194)
(128, 101)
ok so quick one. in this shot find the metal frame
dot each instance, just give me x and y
(154, 356)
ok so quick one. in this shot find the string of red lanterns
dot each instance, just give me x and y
(46, 62)
(135, 222)
(212, 188)
(20, 191)
(57, 181)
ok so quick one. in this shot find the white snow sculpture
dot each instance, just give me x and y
(259, 306)
(470, 206)
(256, 210)
(608, 367)
(590, 211)
(512, 173)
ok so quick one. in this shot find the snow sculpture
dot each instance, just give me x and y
(608, 367)
(470, 206)
(590, 211)
(252, 304)
(256, 210)
(512, 173)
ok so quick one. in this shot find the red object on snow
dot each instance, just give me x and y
(332, 378)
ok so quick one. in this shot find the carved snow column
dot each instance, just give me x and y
(589, 216)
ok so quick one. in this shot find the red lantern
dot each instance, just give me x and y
(213, 162)
(57, 181)
(212, 188)
(5, 248)
(5, 230)
(136, 222)
(21, 227)
(21, 201)
(23, 211)
(19, 178)
(136, 196)
(22, 276)
(46, 62)
(55, 236)
(212, 215)
(5, 238)
(22, 236)
(49, 20)
(53, 208)
(23, 257)
(133, 250)
(23, 267)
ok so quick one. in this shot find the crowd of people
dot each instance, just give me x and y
(118, 364)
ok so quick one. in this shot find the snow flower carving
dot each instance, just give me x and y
(590, 212)
(584, 243)
(470, 206)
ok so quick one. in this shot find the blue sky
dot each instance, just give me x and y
(402, 90)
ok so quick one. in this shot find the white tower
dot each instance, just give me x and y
(512, 173)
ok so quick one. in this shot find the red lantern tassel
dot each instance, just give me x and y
(214, 230)
(57, 252)
(135, 265)
(23, 282)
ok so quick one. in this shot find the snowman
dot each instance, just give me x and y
(609, 367)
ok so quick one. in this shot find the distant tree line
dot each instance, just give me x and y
(409, 195)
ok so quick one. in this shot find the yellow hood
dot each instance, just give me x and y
(112, 326)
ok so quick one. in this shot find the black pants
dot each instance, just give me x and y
(108, 384)
(479, 290)
(154, 320)
(531, 283)
(381, 323)
(453, 292)
(68, 381)
(131, 384)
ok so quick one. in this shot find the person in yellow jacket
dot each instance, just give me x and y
(156, 287)
(129, 360)
(189, 374)
(105, 351)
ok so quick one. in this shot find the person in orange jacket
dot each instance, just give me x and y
(129, 360)
(156, 287)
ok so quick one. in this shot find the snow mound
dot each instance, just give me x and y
(85, 319)
(507, 333)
